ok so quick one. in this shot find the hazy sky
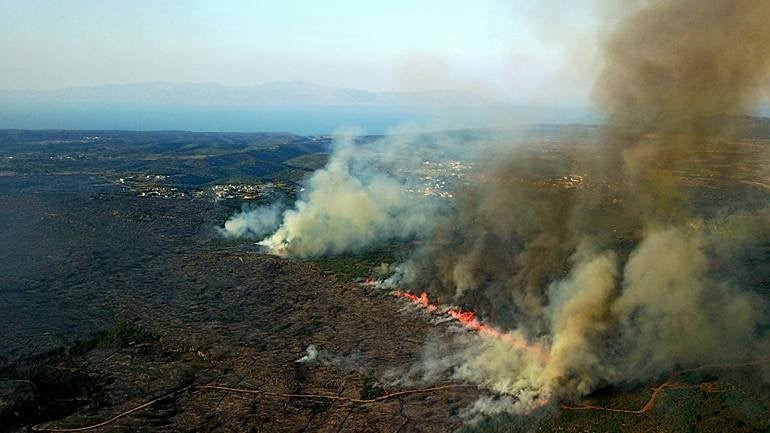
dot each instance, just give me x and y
(490, 45)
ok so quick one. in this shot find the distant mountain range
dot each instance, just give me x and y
(278, 93)
(293, 106)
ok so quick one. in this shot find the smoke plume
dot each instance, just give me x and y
(610, 255)
(253, 223)
(618, 276)
(350, 204)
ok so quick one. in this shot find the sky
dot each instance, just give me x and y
(528, 50)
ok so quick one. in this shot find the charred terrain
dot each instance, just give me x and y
(124, 309)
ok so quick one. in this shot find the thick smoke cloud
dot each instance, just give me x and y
(579, 310)
(347, 206)
(678, 67)
(622, 275)
(253, 223)
(368, 193)
(671, 310)
(618, 278)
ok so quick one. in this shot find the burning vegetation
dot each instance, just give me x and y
(468, 319)
(626, 273)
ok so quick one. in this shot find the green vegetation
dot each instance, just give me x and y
(352, 266)
(187, 159)
(123, 335)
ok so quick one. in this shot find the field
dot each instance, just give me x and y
(116, 290)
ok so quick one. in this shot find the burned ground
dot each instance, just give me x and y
(83, 262)
(109, 300)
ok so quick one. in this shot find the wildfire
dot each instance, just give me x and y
(422, 299)
(469, 320)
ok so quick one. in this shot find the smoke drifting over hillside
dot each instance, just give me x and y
(365, 195)
(619, 278)
(253, 223)
(348, 206)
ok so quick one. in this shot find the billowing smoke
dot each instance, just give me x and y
(619, 276)
(611, 255)
(351, 204)
(372, 190)
(671, 311)
(253, 223)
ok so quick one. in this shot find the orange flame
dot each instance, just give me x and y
(422, 299)
(469, 320)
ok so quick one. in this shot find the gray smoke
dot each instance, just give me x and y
(372, 190)
(607, 256)
(618, 277)
(348, 205)
(253, 223)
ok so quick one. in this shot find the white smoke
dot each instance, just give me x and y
(252, 223)
(372, 190)
(606, 326)
(350, 362)
(347, 206)
(616, 281)
(311, 354)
